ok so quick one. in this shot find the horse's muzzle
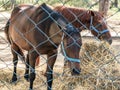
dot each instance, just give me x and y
(109, 41)
(75, 71)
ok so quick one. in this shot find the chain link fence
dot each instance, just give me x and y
(100, 62)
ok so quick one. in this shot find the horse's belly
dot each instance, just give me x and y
(22, 44)
(20, 40)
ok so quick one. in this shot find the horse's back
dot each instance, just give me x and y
(18, 10)
(25, 30)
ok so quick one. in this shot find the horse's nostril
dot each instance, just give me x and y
(110, 41)
(75, 71)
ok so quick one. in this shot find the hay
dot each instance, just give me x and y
(95, 55)
(21, 84)
(99, 69)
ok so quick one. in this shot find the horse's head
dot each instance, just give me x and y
(71, 47)
(96, 23)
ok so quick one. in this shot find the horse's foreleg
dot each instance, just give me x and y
(32, 60)
(49, 72)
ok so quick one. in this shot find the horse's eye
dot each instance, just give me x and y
(100, 25)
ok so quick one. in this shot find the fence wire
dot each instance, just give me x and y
(99, 61)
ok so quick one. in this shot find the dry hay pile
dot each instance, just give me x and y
(21, 84)
(99, 69)
(95, 55)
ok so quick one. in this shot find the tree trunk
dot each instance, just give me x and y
(116, 3)
(104, 6)
(13, 3)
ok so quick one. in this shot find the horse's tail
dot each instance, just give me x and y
(7, 31)
(37, 61)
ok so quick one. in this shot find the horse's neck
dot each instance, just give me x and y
(55, 33)
(75, 12)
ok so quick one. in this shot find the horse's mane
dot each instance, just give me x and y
(46, 16)
(47, 11)
(83, 15)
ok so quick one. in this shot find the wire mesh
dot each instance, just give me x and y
(99, 61)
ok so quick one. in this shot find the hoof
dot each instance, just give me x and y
(76, 72)
(27, 78)
(30, 89)
(14, 80)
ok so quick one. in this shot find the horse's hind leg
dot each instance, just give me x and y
(15, 52)
(26, 75)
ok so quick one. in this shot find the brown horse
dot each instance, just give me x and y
(87, 19)
(40, 30)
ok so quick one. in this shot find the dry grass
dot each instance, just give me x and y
(99, 69)
(99, 72)
(98, 62)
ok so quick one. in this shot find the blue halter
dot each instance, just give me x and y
(68, 58)
(97, 31)
(65, 55)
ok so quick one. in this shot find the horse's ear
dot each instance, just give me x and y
(61, 23)
(102, 14)
(92, 13)
(79, 30)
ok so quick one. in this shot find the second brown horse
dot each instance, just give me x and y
(87, 19)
